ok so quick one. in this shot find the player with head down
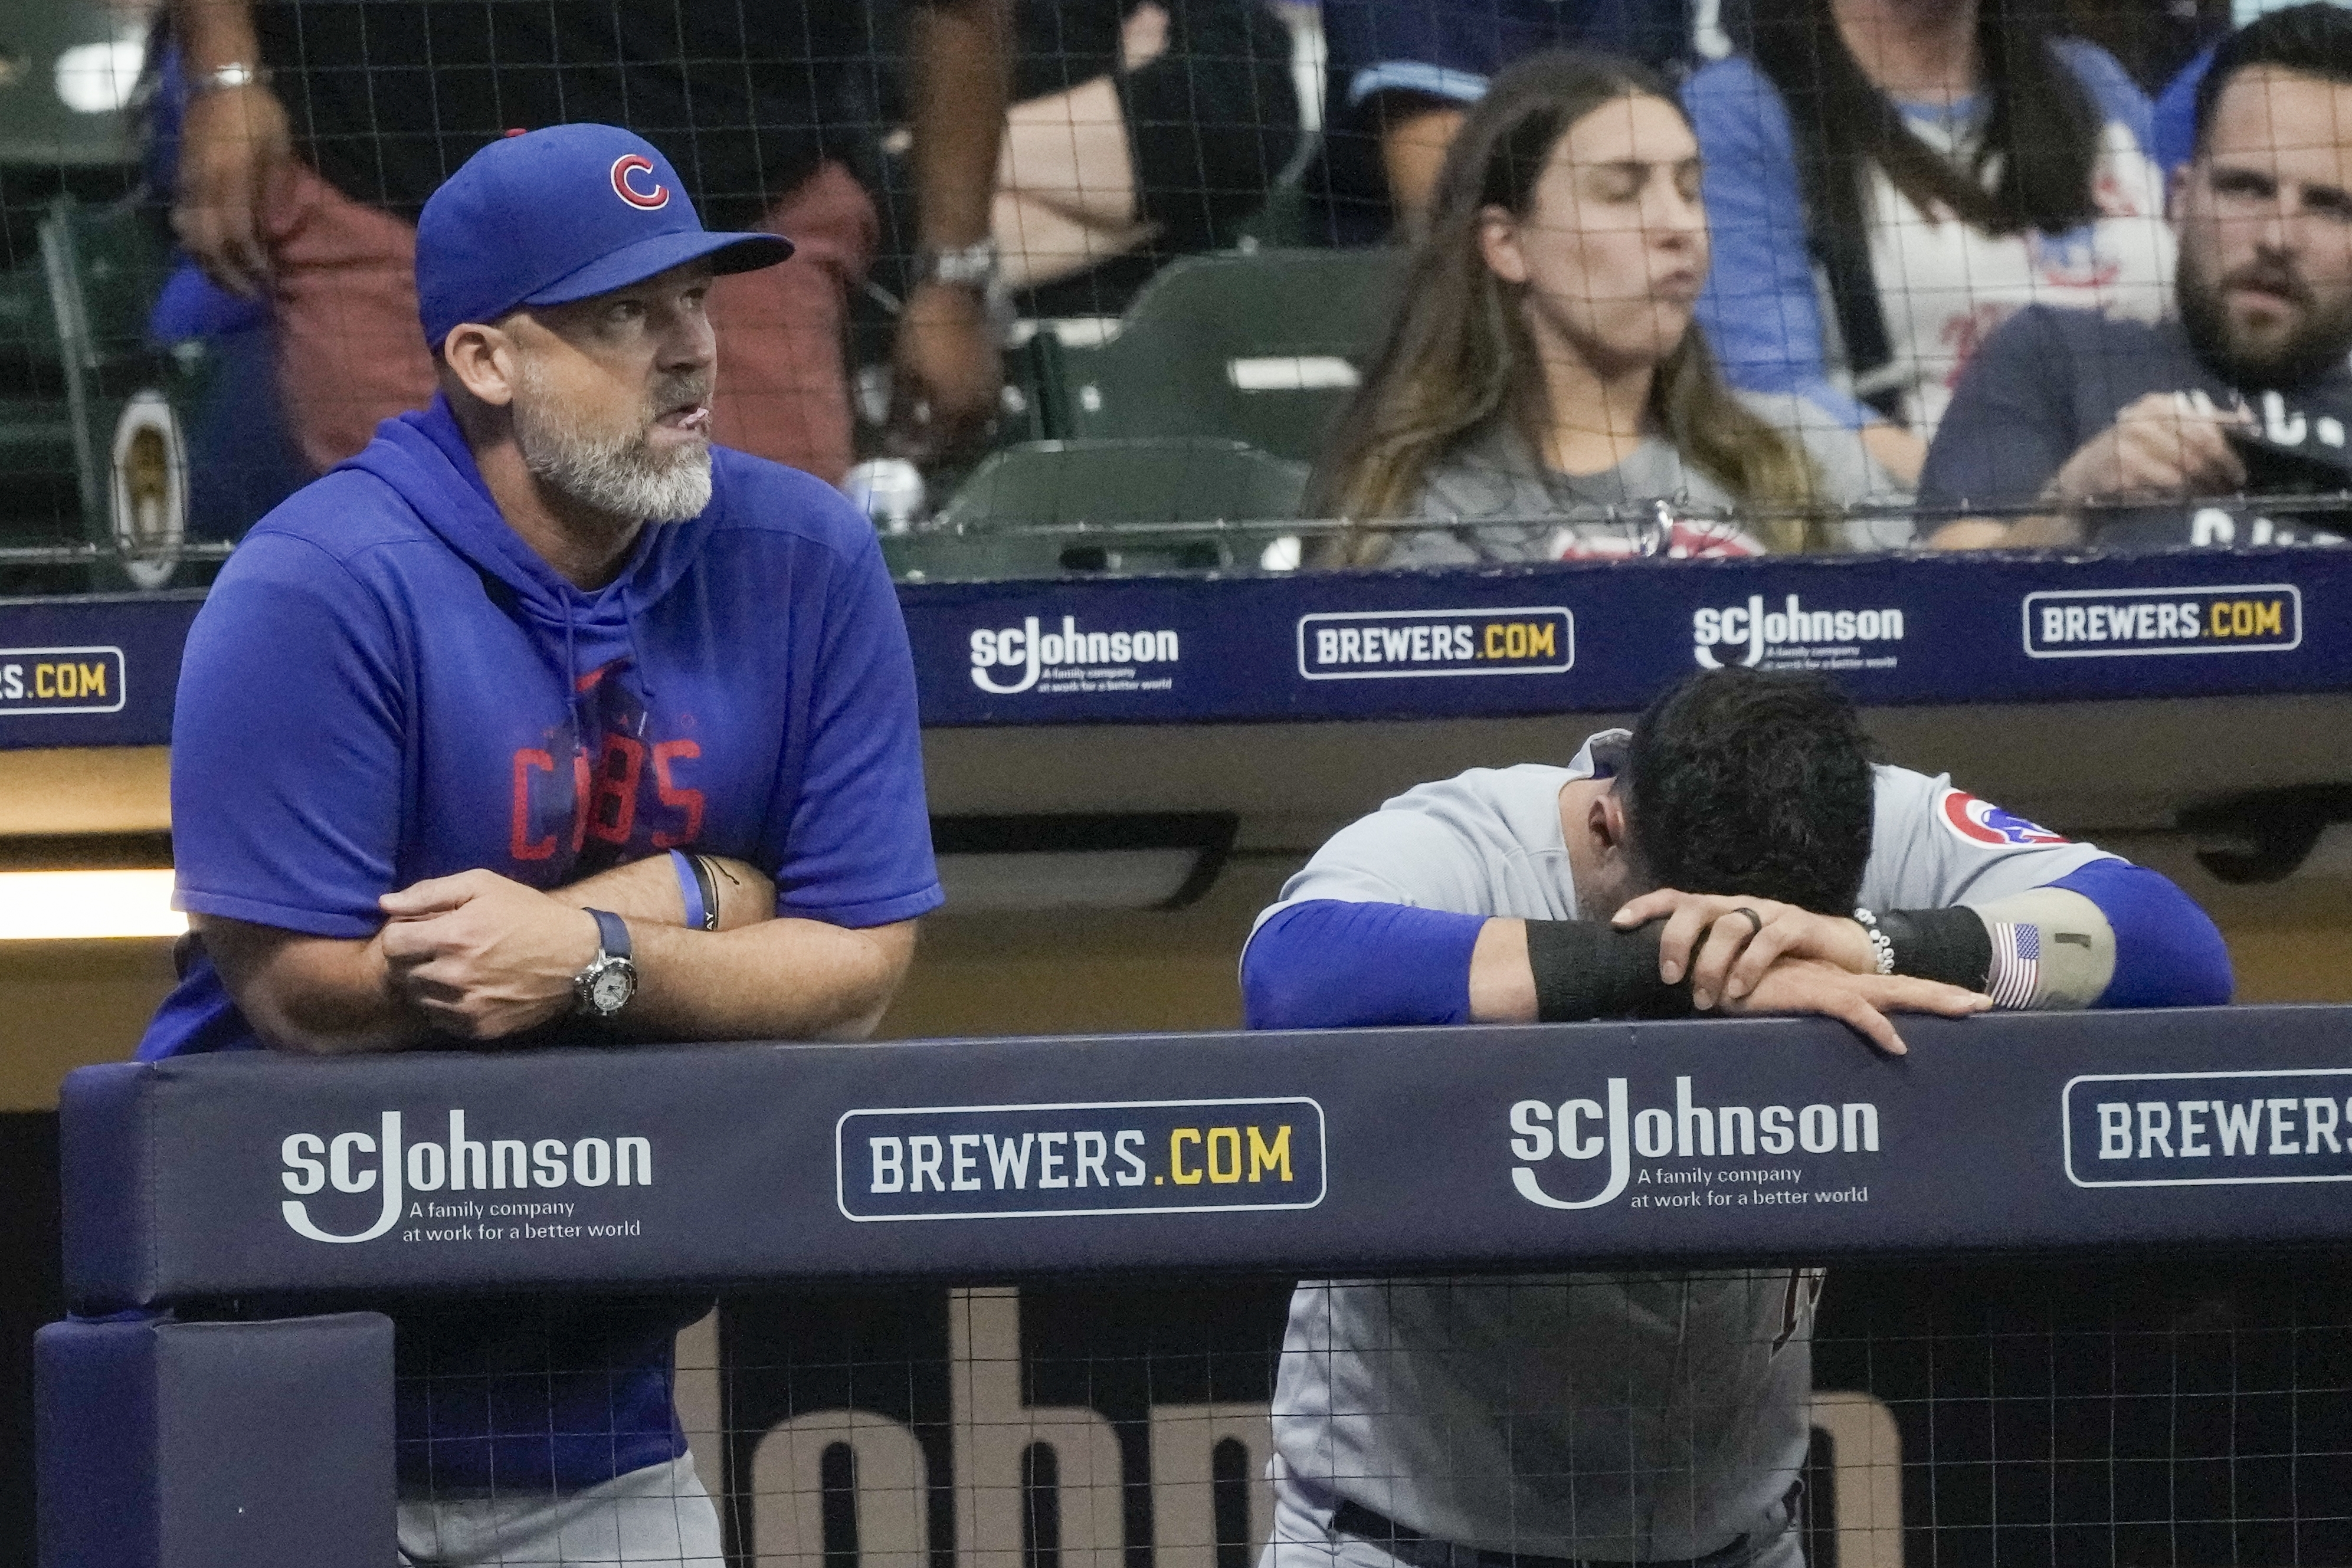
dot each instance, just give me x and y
(543, 722)
(1738, 851)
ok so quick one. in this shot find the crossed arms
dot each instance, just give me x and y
(1323, 963)
(1328, 962)
(1793, 961)
(477, 957)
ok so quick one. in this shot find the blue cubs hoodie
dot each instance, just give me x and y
(388, 685)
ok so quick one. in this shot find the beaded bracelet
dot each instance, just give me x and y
(1882, 945)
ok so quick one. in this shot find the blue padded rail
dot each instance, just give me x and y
(257, 1445)
(1357, 1151)
(1564, 637)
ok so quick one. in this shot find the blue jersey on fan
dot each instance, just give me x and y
(387, 684)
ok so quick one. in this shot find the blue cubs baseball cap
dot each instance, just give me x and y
(549, 216)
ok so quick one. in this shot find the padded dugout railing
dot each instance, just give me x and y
(186, 1430)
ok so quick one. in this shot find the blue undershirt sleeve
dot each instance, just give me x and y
(2168, 952)
(1758, 310)
(1330, 963)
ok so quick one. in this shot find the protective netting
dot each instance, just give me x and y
(1204, 215)
(2132, 1410)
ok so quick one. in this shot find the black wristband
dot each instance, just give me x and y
(1589, 969)
(1947, 945)
(709, 886)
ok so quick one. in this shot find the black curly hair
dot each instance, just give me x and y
(1742, 781)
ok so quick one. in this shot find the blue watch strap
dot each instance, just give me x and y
(612, 934)
(689, 888)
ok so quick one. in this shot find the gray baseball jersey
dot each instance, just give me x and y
(1615, 1416)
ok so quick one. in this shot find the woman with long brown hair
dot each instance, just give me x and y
(1544, 384)
(1924, 168)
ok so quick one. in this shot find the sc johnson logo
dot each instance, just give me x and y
(1787, 636)
(1394, 644)
(1584, 1131)
(1070, 659)
(1027, 1162)
(2209, 1129)
(380, 1163)
(2121, 623)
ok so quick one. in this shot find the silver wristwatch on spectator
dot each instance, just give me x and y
(972, 266)
(606, 986)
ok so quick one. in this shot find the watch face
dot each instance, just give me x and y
(614, 984)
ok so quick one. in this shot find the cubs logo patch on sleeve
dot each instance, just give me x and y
(1982, 822)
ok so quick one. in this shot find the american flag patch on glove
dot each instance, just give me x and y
(2016, 971)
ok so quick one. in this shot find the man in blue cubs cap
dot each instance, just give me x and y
(544, 721)
(550, 219)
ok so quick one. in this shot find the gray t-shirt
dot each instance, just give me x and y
(2050, 380)
(1616, 1417)
(1504, 505)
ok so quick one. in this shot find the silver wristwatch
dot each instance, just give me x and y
(969, 267)
(606, 986)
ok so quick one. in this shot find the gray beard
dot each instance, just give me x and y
(618, 474)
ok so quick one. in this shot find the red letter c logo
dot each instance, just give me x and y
(625, 188)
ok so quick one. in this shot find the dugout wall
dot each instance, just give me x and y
(871, 1386)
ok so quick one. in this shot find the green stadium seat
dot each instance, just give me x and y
(1264, 347)
(955, 556)
(118, 255)
(1163, 480)
(74, 296)
(104, 442)
(1130, 497)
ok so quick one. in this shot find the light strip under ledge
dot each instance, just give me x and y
(78, 905)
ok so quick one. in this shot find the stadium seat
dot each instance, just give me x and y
(1131, 495)
(81, 394)
(957, 556)
(89, 447)
(1263, 347)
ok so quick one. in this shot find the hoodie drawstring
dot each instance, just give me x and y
(573, 694)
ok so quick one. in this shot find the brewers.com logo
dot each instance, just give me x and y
(2120, 623)
(2209, 1129)
(1136, 1156)
(1390, 645)
(60, 680)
